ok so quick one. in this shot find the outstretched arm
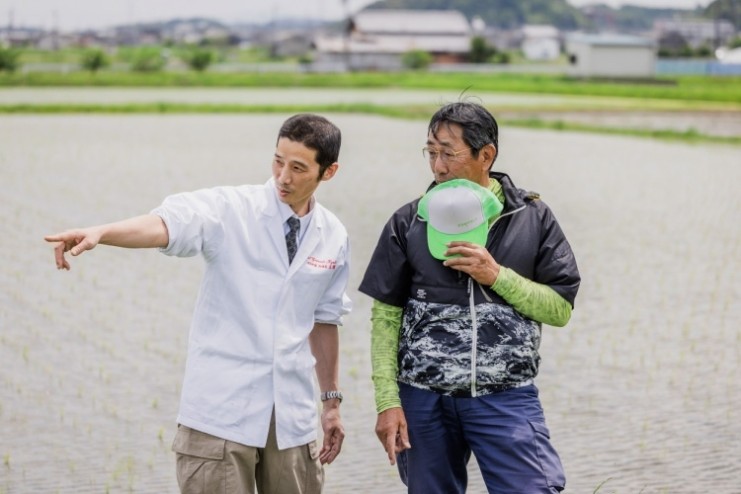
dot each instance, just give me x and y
(138, 232)
(325, 346)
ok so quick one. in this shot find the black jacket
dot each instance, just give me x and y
(436, 347)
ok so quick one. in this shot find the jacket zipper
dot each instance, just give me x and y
(474, 322)
(474, 337)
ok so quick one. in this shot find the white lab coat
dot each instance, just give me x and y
(248, 349)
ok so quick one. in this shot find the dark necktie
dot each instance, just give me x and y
(292, 237)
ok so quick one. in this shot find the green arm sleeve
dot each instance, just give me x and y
(385, 327)
(534, 300)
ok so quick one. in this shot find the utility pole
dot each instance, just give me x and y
(9, 31)
(55, 30)
(346, 35)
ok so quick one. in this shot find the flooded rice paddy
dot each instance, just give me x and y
(641, 390)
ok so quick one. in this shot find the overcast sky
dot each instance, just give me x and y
(79, 14)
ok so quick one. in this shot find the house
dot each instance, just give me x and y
(540, 42)
(377, 39)
(20, 36)
(290, 43)
(695, 32)
(611, 55)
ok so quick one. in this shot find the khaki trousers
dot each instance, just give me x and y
(206, 464)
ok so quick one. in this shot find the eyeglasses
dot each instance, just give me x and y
(445, 155)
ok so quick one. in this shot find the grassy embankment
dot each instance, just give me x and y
(666, 95)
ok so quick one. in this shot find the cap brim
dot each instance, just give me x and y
(437, 242)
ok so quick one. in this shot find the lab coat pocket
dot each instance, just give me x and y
(310, 283)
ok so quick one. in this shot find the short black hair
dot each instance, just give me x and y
(479, 126)
(317, 133)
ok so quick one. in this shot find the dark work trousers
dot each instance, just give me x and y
(506, 431)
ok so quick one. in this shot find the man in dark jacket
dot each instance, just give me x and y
(455, 342)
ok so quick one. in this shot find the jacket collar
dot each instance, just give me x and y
(513, 197)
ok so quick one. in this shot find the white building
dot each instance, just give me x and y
(540, 42)
(593, 55)
(377, 39)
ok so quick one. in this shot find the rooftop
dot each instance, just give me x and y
(411, 22)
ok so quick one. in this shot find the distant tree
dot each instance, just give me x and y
(686, 52)
(9, 59)
(481, 51)
(198, 59)
(673, 44)
(724, 9)
(306, 59)
(94, 60)
(704, 51)
(500, 57)
(147, 59)
(735, 42)
(416, 59)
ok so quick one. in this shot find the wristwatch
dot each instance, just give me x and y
(328, 395)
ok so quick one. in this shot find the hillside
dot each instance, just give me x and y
(513, 13)
(500, 13)
(725, 9)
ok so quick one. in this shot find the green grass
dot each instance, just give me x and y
(685, 88)
(685, 93)
(411, 112)
(67, 55)
(73, 55)
(408, 112)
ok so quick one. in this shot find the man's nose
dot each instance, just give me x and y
(439, 166)
(285, 175)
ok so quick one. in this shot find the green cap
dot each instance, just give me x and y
(457, 210)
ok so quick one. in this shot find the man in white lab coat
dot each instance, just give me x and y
(267, 312)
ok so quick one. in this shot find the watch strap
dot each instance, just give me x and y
(328, 395)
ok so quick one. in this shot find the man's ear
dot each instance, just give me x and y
(488, 154)
(330, 171)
